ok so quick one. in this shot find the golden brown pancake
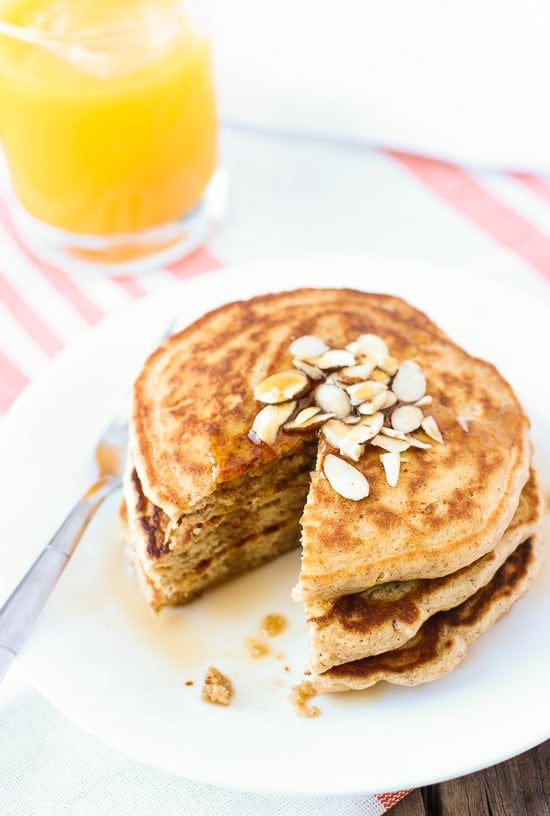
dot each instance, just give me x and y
(453, 502)
(442, 642)
(241, 526)
(385, 617)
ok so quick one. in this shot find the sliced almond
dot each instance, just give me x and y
(391, 432)
(390, 365)
(390, 400)
(407, 418)
(356, 373)
(351, 419)
(379, 375)
(425, 400)
(391, 462)
(464, 422)
(308, 347)
(430, 427)
(362, 391)
(351, 449)
(417, 443)
(373, 405)
(409, 384)
(373, 422)
(345, 479)
(334, 358)
(374, 347)
(314, 421)
(268, 421)
(306, 413)
(334, 432)
(333, 399)
(312, 371)
(363, 433)
(318, 420)
(281, 387)
(389, 444)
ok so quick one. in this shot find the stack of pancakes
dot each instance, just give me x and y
(395, 584)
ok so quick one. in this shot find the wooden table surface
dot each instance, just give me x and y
(518, 787)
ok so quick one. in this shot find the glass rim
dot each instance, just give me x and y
(35, 36)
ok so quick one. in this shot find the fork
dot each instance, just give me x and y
(21, 610)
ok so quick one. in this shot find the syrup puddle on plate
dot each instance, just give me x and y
(113, 628)
(249, 627)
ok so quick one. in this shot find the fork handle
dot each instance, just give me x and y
(21, 610)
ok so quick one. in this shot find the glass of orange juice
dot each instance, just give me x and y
(109, 129)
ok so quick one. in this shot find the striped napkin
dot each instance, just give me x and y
(43, 308)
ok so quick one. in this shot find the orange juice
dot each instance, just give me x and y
(107, 112)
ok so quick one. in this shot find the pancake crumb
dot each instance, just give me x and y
(300, 695)
(189, 683)
(217, 688)
(273, 625)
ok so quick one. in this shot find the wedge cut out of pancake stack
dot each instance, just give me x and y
(350, 424)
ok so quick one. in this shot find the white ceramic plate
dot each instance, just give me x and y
(120, 672)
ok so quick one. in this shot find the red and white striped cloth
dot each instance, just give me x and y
(43, 308)
(492, 203)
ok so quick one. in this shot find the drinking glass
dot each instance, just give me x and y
(109, 128)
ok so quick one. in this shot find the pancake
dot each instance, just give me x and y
(442, 642)
(238, 527)
(454, 500)
(193, 401)
(385, 617)
(195, 462)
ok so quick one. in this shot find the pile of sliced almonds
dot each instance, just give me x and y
(356, 395)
